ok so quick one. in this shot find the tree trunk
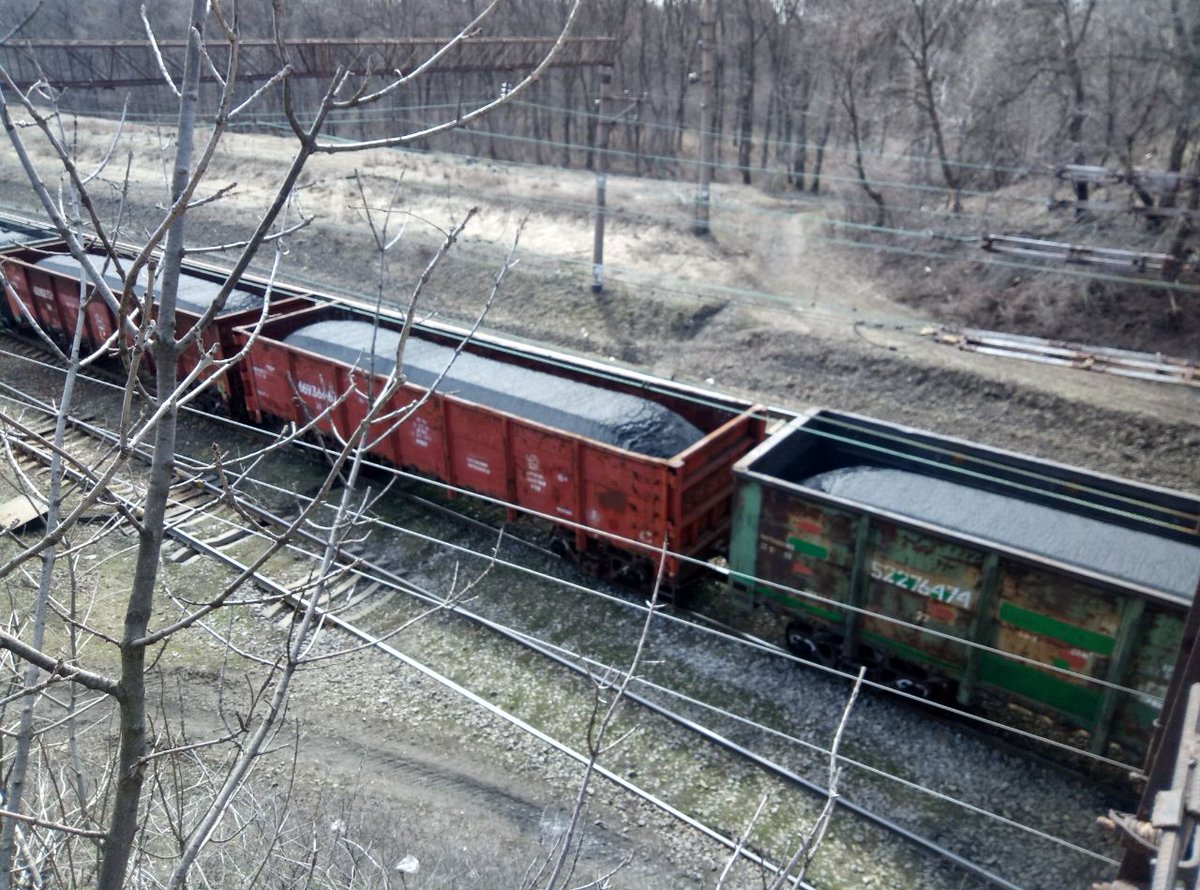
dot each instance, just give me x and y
(856, 133)
(820, 158)
(14, 786)
(746, 118)
(131, 696)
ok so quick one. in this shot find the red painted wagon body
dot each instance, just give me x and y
(51, 299)
(614, 506)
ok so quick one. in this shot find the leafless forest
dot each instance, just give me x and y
(970, 96)
(932, 121)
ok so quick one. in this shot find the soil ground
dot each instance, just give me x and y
(768, 306)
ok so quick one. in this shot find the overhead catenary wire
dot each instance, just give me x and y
(453, 106)
(700, 400)
(390, 115)
(453, 546)
(1037, 169)
(980, 258)
(580, 658)
(811, 596)
(372, 573)
(958, 639)
(951, 798)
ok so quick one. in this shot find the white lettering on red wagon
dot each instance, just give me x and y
(321, 392)
(479, 465)
(533, 475)
(421, 434)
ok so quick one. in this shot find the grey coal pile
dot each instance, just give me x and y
(8, 237)
(1109, 549)
(195, 294)
(625, 421)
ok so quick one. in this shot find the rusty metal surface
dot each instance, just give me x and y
(46, 281)
(1120, 362)
(1067, 625)
(627, 501)
(1173, 752)
(1157, 265)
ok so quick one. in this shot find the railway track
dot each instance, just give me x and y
(201, 528)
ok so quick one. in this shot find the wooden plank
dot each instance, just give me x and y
(16, 513)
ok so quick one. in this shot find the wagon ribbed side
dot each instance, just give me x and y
(983, 572)
(615, 506)
(50, 297)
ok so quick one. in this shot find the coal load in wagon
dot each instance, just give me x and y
(1113, 550)
(615, 418)
(194, 295)
(9, 236)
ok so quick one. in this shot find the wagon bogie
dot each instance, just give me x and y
(1056, 598)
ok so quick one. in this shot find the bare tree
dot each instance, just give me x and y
(158, 340)
(808, 841)
(609, 693)
(857, 72)
(1070, 22)
(928, 29)
(1184, 55)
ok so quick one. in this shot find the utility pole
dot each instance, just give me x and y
(708, 48)
(604, 127)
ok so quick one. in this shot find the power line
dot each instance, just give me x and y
(809, 595)
(510, 506)
(577, 657)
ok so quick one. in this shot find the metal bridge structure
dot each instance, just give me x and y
(133, 63)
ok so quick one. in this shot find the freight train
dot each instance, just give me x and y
(948, 568)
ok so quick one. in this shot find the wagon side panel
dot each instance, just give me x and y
(1055, 620)
(19, 299)
(927, 583)
(419, 443)
(626, 496)
(270, 378)
(479, 458)
(224, 336)
(803, 547)
(1155, 647)
(43, 300)
(702, 484)
(546, 472)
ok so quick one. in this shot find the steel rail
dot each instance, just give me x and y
(805, 594)
(379, 574)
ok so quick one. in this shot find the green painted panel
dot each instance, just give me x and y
(1044, 625)
(808, 548)
(801, 604)
(1078, 701)
(910, 653)
(1154, 656)
(743, 543)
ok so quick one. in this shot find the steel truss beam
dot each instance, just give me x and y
(132, 63)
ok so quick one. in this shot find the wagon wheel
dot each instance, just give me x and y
(801, 644)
